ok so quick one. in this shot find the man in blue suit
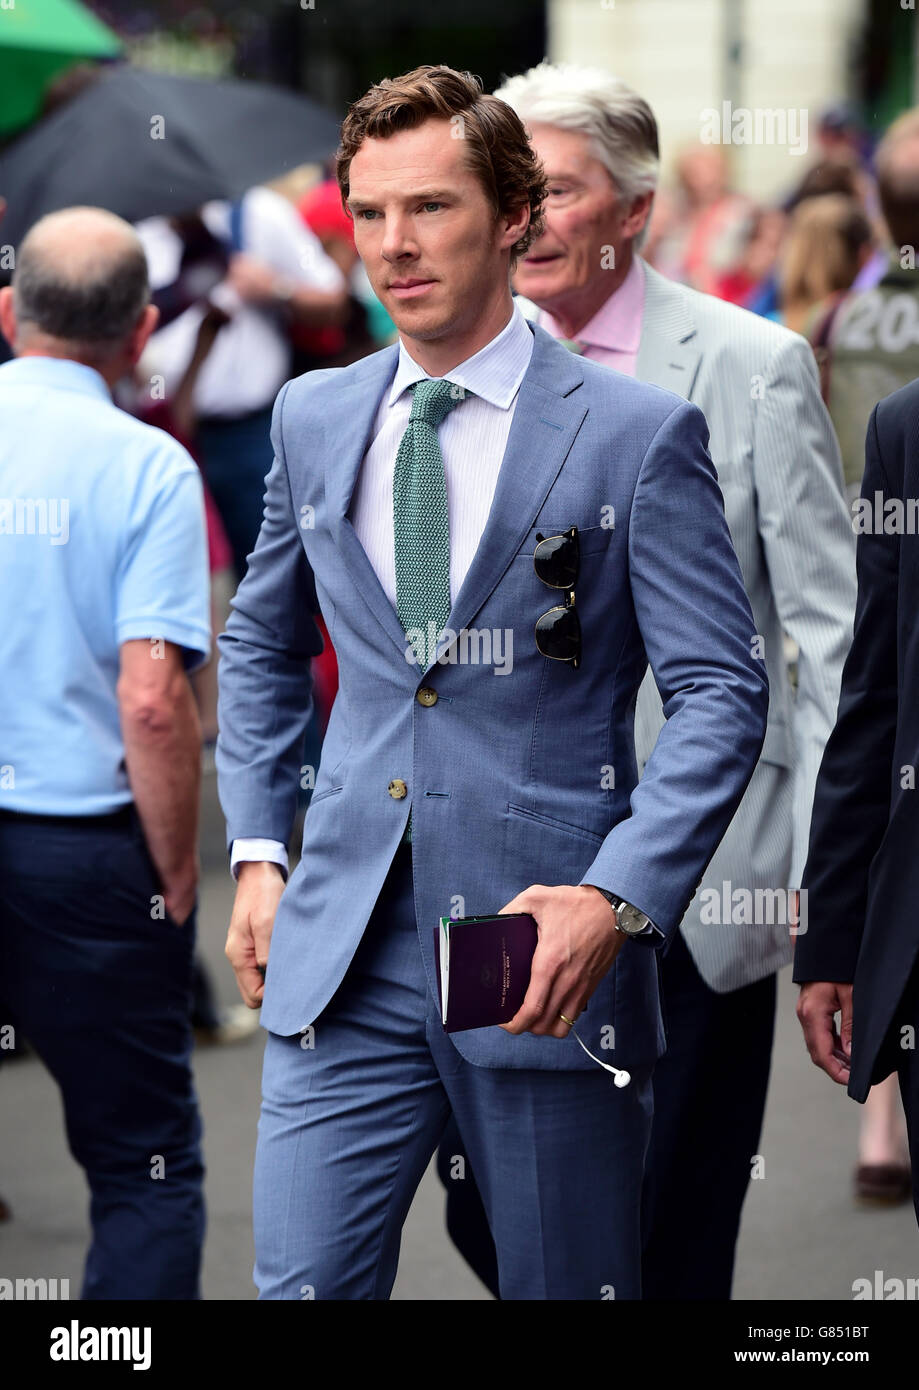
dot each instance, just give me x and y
(501, 537)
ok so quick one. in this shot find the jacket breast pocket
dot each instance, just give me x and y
(592, 540)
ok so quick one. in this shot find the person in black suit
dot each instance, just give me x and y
(858, 954)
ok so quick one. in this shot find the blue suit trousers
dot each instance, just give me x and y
(353, 1109)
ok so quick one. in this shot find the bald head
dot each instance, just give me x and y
(81, 283)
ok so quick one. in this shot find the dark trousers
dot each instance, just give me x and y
(236, 456)
(101, 987)
(909, 1091)
(709, 1099)
(897, 1053)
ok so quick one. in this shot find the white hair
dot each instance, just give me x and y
(618, 123)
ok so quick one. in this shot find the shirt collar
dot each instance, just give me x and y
(58, 373)
(494, 372)
(617, 323)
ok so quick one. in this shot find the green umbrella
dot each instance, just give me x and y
(38, 40)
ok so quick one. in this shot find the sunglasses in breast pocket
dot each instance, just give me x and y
(557, 561)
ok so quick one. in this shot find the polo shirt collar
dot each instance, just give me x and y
(58, 373)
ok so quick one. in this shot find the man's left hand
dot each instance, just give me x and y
(578, 942)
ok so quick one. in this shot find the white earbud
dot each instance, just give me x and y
(621, 1078)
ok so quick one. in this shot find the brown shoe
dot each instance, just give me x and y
(885, 1184)
(6, 1213)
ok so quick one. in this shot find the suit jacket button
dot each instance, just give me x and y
(426, 696)
(397, 789)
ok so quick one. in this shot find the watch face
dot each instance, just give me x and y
(631, 921)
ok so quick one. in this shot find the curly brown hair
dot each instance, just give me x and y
(498, 149)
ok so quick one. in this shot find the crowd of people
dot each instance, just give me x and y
(170, 384)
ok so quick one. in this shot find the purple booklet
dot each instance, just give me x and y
(484, 968)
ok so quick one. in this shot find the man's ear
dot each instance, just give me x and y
(638, 215)
(516, 225)
(7, 315)
(142, 329)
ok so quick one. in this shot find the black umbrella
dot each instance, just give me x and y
(144, 143)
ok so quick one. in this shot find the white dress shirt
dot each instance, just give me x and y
(250, 359)
(473, 438)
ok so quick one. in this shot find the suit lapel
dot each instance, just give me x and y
(667, 353)
(546, 421)
(356, 407)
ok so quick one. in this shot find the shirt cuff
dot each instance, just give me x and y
(651, 936)
(247, 849)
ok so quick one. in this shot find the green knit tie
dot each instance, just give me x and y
(421, 523)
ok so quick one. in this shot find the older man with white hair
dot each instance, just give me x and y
(780, 474)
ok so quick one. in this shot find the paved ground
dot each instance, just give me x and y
(802, 1236)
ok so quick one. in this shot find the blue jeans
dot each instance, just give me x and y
(101, 988)
(353, 1111)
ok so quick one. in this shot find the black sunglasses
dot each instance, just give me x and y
(557, 560)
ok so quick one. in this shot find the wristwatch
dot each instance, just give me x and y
(629, 919)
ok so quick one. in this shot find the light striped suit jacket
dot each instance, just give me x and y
(781, 477)
(778, 464)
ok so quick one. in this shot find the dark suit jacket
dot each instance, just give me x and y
(862, 874)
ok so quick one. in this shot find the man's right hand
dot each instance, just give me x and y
(259, 886)
(818, 1004)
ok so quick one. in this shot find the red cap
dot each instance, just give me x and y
(323, 213)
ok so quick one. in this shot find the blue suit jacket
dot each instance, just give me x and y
(527, 777)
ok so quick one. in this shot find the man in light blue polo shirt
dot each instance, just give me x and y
(103, 568)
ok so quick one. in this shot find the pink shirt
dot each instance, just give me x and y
(613, 334)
